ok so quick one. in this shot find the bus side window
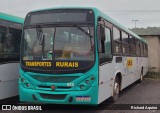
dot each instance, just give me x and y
(107, 41)
(104, 40)
(141, 48)
(117, 44)
(104, 44)
(9, 44)
(132, 42)
(146, 48)
(1, 42)
(101, 35)
(138, 52)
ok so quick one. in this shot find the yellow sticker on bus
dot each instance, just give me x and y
(129, 62)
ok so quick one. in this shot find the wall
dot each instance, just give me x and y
(153, 52)
(159, 54)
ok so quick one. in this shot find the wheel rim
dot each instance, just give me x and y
(116, 89)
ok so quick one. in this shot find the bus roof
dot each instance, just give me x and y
(105, 16)
(11, 18)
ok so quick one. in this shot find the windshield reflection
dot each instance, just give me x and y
(36, 47)
(73, 44)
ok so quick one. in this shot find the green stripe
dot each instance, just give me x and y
(11, 18)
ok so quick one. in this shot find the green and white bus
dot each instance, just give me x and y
(10, 37)
(77, 56)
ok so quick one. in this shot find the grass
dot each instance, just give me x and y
(153, 75)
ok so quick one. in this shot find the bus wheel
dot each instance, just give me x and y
(116, 90)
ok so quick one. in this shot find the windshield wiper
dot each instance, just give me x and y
(40, 38)
(84, 31)
(39, 34)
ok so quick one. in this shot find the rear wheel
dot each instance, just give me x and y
(116, 90)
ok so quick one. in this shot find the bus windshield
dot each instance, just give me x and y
(73, 44)
(38, 43)
(59, 44)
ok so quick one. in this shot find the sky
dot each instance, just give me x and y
(147, 12)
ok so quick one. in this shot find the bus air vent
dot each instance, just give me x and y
(58, 87)
(53, 96)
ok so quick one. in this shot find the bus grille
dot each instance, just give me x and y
(53, 96)
(53, 79)
(58, 87)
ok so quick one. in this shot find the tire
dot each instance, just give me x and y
(116, 90)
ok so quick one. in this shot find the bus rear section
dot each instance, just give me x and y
(58, 57)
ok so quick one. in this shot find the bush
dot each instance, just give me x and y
(154, 75)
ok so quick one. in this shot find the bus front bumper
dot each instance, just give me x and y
(89, 96)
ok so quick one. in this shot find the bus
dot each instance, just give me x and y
(10, 36)
(75, 55)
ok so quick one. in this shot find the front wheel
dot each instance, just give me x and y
(116, 90)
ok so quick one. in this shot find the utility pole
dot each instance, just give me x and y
(135, 21)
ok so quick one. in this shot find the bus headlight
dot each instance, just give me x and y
(87, 81)
(22, 80)
(84, 85)
(25, 83)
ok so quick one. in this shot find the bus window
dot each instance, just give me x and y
(2, 34)
(101, 34)
(107, 40)
(72, 43)
(125, 43)
(141, 48)
(117, 41)
(132, 45)
(144, 50)
(33, 48)
(147, 50)
(12, 42)
(104, 44)
(138, 52)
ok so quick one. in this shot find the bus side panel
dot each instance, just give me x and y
(8, 89)
(145, 66)
(105, 81)
(9, 80)
(135, 70)
(130, 71)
